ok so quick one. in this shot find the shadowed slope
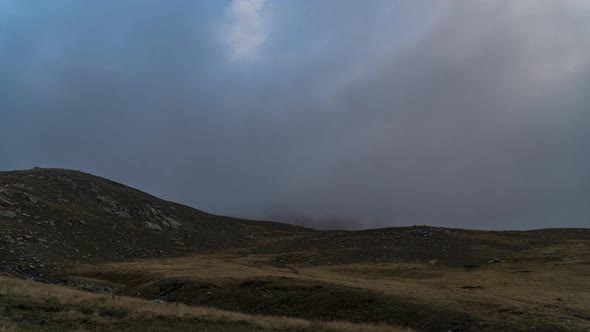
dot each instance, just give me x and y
(60, 216)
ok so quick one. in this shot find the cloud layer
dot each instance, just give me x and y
(340, 113)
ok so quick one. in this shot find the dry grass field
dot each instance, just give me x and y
(543, 288)
(35, 306)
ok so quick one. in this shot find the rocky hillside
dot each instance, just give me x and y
(51, 217)
(75, 229)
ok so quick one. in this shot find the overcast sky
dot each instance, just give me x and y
(456, 113)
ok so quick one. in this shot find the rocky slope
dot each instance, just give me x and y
(51, 217)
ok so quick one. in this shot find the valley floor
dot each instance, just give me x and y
(541, 287)
(538, 289)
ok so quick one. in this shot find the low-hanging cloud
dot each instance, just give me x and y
(356, 114)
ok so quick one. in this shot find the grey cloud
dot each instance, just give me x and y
(472, 116)
(474, 127)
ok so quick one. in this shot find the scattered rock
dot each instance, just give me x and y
(495, 260)
(433, 261)
(6, 201)
(31, 198)
(581, 315)
(403, 268)
(107, 200)
(7, 213)
(153, 226)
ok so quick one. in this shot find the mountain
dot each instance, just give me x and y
(59, 216)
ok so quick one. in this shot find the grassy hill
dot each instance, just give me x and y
(72, 230)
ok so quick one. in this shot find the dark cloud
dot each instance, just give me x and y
(356, 114)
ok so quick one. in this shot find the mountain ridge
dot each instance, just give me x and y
(74, 216)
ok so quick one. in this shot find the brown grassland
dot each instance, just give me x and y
(61, 308)
(531, 290)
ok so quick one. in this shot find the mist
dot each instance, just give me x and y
(332, 114)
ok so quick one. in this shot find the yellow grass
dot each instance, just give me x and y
(143, 308)
(552, 289)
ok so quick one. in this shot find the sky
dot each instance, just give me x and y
(332, 113)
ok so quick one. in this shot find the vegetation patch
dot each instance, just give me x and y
(31, 306)
(306, 299)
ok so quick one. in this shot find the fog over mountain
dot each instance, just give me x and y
(336, 113)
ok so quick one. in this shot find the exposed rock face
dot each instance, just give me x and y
(111, 205)
(152, 226)
(159, 219)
